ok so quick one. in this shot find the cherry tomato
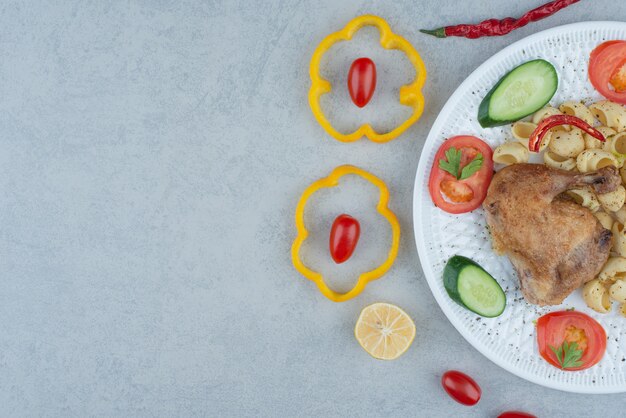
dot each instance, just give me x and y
(607, 71)
(461, 387)
(515, 414)
(460, 196)
(571, 326)
(362, 81)
(344, 235)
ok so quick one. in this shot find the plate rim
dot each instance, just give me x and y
(418, 197)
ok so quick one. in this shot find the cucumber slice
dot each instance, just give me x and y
(469, 285)
(521, 92)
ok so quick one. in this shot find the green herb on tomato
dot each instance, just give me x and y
(568, 355)
(570, 340)
(453, 164)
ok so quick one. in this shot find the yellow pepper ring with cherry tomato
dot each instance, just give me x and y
(331, 181)
(410, 94)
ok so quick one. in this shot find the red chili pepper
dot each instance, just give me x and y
(550, 122)
(495, 27)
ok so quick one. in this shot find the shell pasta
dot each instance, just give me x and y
(567, 144)
(617, 291)
(596, 296)
(614, 267)
(619, 238)
(616, 144)
(613, 201)
(541, 114)
(605, 219)
(585, 197)
(511, 153)
(522, 130)
(593, 160)
(610, 114)
(556, 161)
(594, 143)
(579, 110)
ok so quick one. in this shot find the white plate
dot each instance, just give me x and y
(510, 340)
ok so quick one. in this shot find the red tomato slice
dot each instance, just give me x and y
(605, 64)
(344, 235)
(460, 196)
(362, 81)
(556, 327)
(461, 387)
(600, 48)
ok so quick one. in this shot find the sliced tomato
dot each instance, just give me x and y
(600, 48)
(571, 326)
(460, 196)
(618, 79)
(606, 70)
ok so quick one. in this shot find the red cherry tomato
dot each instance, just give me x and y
(571, 326)
(607, 70)
(461, 387)
(362, 81)
(515, 414)
(344, 235)
(460, 196)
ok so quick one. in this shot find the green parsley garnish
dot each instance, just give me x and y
(453, 164)
(568, 355)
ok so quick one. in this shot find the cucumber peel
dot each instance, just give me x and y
(469, 285)
(521, 92)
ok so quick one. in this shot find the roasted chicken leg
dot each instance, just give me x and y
(555, 244)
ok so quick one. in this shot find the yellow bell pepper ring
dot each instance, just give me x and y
(331, 181)
(410, 94)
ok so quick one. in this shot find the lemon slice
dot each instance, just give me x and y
(384, 331)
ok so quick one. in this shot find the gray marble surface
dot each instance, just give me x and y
(151, 156)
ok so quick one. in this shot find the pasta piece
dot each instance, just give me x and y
(616, 143)
(614, 267)
(556, 161)
(596, 296)
(511, 153)
(619, 238)
(613, 201)
(541, 114)
(617, 291)
(622, 173)
(586, 198)
(622, 309)
(579, 110)
(610, 114)
(567, 144)
(593, 143)
(605, 219)
(620, 215)
(522, 130)
(593, 160)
